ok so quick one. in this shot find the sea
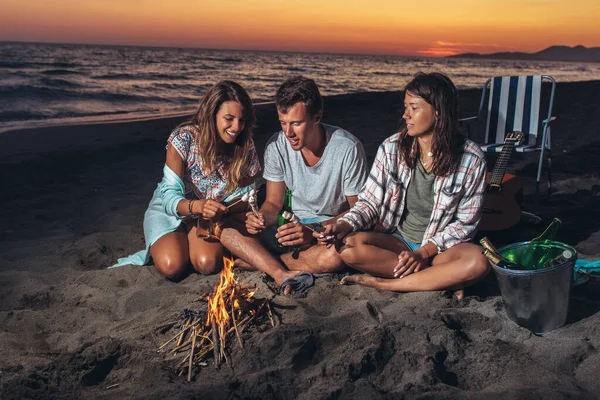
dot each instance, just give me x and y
(48, 84)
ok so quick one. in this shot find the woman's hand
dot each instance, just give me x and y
(255, 222)
(332, 233)
(213, 210)
(409, 262)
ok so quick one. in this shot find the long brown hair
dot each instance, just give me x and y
(211, 149)
(439, 92)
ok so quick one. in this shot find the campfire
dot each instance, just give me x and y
(231, 308)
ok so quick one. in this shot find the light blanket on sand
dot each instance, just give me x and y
(161, 217)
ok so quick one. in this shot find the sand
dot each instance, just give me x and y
(73, 201)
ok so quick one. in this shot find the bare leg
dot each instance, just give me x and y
(375, 253)
(457, 267)
(206, 256)
(244, 265)
(315, 259)
(247, 247)
(170, 254)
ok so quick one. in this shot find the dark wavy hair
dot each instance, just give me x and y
(447, 141)
(299, 89)
(209, 145)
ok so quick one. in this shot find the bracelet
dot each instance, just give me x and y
(190, 209)
(426, 252)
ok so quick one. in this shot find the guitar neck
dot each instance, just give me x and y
(502, 163)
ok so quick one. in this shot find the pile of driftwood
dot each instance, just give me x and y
(205, 334)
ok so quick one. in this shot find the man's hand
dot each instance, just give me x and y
(293, 234)
(332, 233)
(255, 223)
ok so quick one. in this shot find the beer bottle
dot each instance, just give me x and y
(539, 249)
(562, 258)
(281, 220)
(489, 250)
(500, 261)
(487, 244)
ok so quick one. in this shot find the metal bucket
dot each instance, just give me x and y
(538, 299)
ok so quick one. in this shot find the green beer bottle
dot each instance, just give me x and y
(563, 257)
(540, 250)
(281, 220)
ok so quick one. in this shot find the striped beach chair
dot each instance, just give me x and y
(515, 104)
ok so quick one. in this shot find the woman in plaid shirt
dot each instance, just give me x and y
(423, 197)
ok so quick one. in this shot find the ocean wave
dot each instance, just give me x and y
(12, 116)
(181, 87)
(390, 73)
(141, 76)
(56, 82)
(223, 59)
(52, 81)
(60, 72)
(28, 92)
(61, 64)
(15, 92)
(14, 64)
(6, 116)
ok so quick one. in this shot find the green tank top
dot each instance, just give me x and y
(419, 205)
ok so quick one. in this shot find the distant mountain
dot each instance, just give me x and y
(552, 53)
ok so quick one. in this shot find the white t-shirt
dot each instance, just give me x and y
(320, 190)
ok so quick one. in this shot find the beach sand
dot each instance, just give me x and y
(73, 202)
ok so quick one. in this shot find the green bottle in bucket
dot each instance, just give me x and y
(564, 256)
(540, 249)
(492, 254)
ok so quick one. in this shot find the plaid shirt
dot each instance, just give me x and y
(458, 202)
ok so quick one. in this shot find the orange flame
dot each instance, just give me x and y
(226, 296)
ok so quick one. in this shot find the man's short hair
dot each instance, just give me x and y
(299, 89)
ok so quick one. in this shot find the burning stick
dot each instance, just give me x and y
(237, 332)
(215, 333)
(222, 337)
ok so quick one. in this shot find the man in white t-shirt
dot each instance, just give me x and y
(324, 166)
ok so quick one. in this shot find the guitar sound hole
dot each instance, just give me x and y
(494, 188)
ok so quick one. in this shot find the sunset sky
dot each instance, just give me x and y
(432, 28)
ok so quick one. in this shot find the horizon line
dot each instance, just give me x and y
(215, 48)
(420, 56)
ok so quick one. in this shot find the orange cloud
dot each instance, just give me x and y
(441, 48)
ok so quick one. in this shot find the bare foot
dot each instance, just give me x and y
(243, 265)
(459, 294)
(302, 281)
(357, 280)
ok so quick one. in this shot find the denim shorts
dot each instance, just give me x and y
(268, 239)
(411, 246)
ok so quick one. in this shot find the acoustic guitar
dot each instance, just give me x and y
(502, 206)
